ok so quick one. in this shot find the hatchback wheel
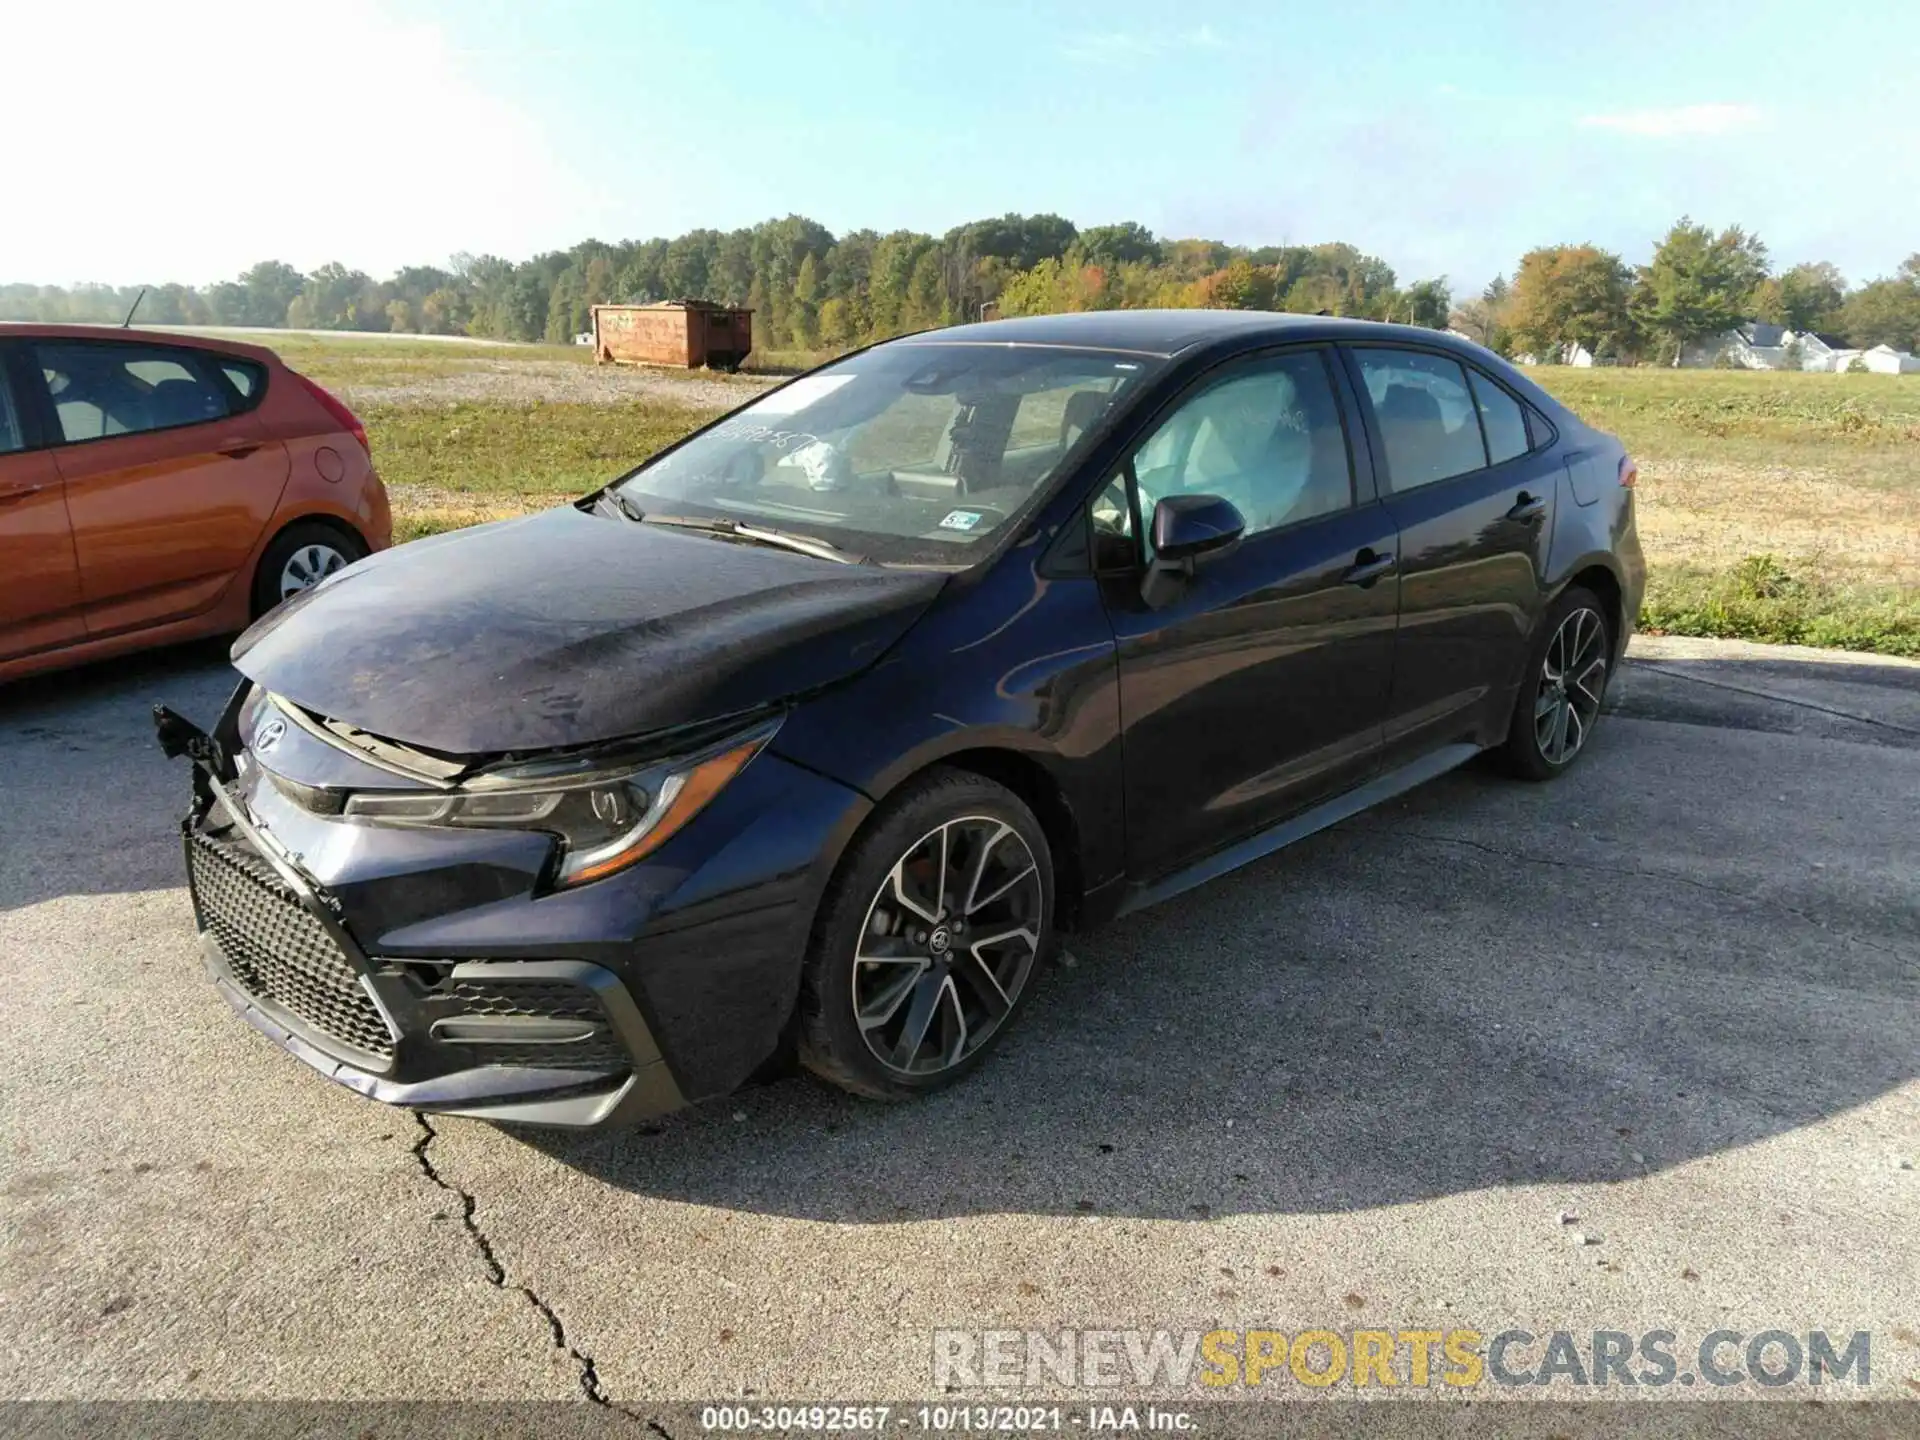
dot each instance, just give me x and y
(928, 939)
(299, 558)
(1559, 704)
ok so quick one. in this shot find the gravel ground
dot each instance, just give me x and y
(555, 382)
(1364, 1082)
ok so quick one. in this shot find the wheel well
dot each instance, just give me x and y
(1030, 780)
(1606, 589)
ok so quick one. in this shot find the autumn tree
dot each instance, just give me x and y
(1571, 295)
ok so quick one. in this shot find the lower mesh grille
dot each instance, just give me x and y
(277, 949)
(547, 1000)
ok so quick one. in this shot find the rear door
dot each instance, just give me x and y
(1475, 513)
(1261, 686)
(39, 577)
(170, 479)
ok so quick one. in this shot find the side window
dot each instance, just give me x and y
(1426, 415)
(12, 434)
(1500, 416)
(1543, 433)
(246, 379)
(1268, 438)
(100, 390)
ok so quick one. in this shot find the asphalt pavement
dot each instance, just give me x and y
(1364, 1082)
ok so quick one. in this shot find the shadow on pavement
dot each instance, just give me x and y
(90, 802)
(1487, 984)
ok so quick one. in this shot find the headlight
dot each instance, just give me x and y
(605, 819)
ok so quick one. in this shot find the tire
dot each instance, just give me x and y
(926, 956)
(310, 546)
(1561, 698)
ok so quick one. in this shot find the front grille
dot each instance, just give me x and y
(277, 949)
(549, 1000)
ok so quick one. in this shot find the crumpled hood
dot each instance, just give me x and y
(566, 628)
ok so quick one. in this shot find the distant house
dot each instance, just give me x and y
(1757, 345)
(1572, 353)
(1885, 360)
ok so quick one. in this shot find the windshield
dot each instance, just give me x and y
(911, 453)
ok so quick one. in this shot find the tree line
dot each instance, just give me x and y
(813, 290)
(1699, 284)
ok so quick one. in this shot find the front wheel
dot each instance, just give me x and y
(1559, 701)
(928, 940)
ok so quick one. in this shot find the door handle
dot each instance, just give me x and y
(1527, 506)
(238, 449)
(1368, 567)
(8, 497)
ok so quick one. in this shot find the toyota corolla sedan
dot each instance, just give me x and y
(810, 735)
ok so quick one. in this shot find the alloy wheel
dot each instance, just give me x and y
(948, 945)
(1573, 677)
(307, 567)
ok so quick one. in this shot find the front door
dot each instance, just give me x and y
(1260, 685)
(39, 578)
(168, 490)
(1475, 512)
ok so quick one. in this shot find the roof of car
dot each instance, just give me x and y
(38, 330)
(1167, 332)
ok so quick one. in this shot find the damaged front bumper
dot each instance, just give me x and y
(536, 1041)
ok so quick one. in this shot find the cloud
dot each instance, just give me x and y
(1711, 119)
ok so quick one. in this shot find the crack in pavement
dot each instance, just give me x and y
(497, 1277)
(1637, 874)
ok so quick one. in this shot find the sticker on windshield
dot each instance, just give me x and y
(960, 520)
(800, 394)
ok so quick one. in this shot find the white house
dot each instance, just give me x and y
(1572, 353)
(1756, 345)
(1885, 360)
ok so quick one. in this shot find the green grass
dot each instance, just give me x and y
(1760, 598)
(535, 449)
(1870, 424)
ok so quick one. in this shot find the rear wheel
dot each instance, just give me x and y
(300, 557)
(1559, 702)
(928, 940)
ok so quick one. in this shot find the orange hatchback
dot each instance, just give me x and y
(156, 488)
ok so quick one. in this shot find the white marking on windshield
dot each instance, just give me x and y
(799, 394)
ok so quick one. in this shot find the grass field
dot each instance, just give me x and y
(1780, 507)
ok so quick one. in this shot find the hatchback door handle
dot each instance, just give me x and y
(1526, 506)
(1368, 567)
(8, 497)
(238, 449)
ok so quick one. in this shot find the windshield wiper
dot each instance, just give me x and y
(625, 506)
(750, 534)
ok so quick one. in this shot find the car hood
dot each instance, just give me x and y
(566, 628)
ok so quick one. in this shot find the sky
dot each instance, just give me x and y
(187, 140)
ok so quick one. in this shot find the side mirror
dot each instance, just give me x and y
(1188, 531)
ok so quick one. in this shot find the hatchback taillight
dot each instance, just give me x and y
(333, 405)
(1629, 473)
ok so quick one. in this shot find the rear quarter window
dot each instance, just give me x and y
(249, 381)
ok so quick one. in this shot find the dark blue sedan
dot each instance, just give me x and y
(813, 733)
